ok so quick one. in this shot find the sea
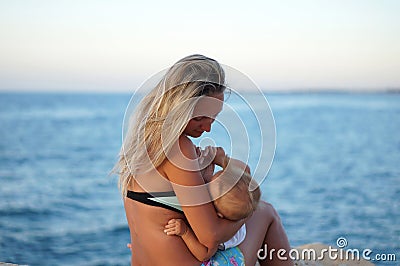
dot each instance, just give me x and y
(334, 178)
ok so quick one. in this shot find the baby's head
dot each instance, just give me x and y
(238, 202)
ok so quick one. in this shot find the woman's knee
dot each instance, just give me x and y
(268, 211)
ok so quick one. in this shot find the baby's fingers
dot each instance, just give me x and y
(169, 226)
(172, 221)
(170, 231)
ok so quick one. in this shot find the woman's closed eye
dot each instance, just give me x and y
(200, 118)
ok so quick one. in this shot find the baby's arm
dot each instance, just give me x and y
(179, 227)
(221, 159)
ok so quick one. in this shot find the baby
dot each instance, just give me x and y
(237, 202)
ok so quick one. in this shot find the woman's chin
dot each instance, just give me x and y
(196, 134)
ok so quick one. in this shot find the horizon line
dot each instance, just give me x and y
(270, 90)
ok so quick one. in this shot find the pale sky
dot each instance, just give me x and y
(98, 45)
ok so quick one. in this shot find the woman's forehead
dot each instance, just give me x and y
(209, 105)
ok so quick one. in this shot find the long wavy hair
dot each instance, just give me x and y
(162, 115)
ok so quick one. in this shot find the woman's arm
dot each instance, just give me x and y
(179, 227)
(182, 170)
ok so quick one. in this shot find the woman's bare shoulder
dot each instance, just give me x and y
(187, 147)
(182, 166)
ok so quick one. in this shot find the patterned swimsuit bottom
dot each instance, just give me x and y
(231, 256)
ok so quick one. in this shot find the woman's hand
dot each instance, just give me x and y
(176, 227)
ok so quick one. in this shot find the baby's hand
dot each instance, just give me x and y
(206, 156)
(176, 227)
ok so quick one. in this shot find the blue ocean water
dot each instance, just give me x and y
(335, 174)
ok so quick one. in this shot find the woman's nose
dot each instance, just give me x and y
(206, 126)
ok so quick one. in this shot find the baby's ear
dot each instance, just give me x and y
(220, 215)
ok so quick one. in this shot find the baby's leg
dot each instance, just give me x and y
(264, 227)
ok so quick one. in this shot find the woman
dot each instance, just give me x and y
(158, 162)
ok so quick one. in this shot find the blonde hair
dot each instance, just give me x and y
(149, 137)
(238, 202)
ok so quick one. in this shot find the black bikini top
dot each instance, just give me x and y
(166, 200)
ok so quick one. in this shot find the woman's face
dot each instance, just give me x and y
(204, 115)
